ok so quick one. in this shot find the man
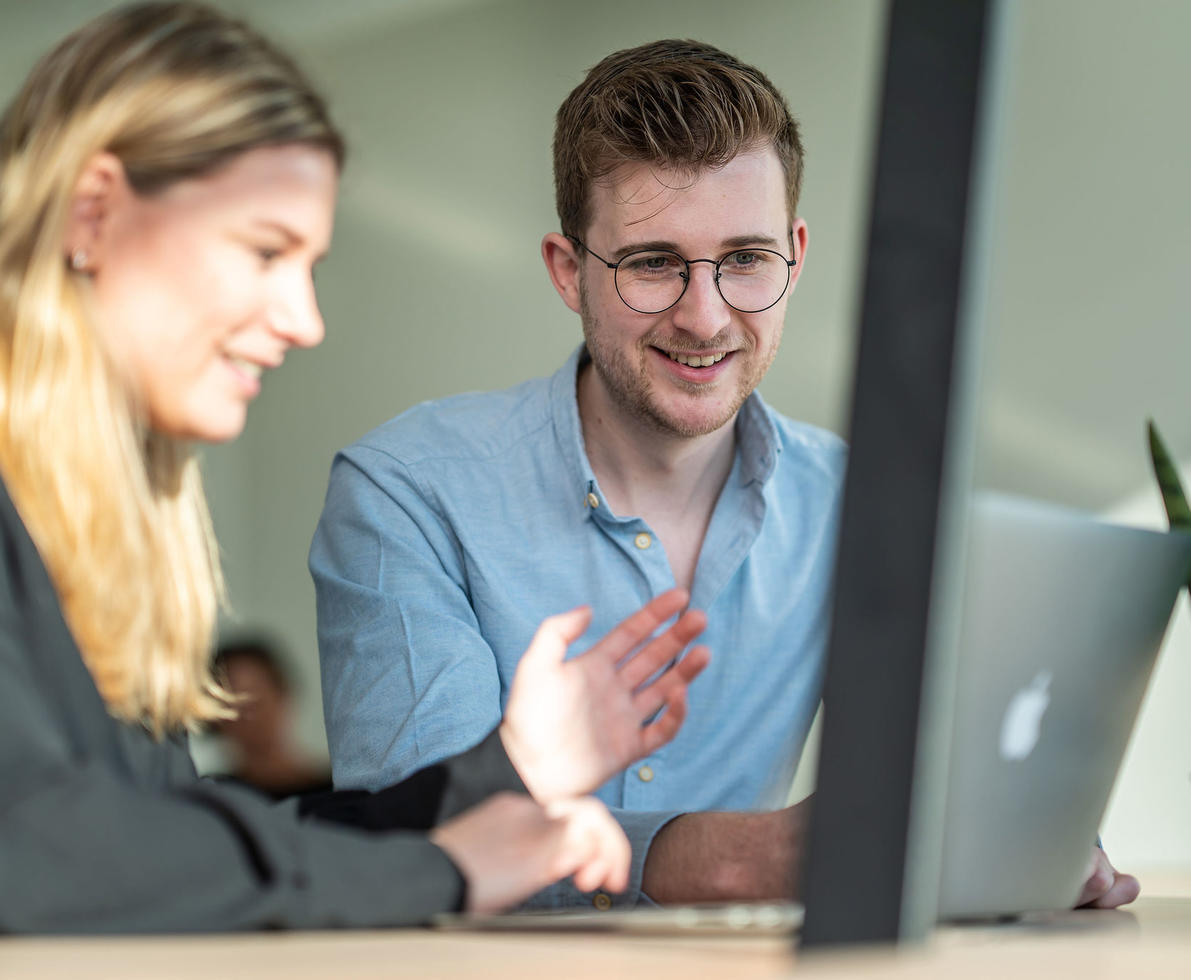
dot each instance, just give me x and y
(647, 462)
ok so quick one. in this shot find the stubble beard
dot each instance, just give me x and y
(631, 391)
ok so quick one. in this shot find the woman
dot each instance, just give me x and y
(167, 181)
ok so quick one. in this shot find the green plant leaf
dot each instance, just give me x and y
(1173, 497)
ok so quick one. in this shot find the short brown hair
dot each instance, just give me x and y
(681, 104)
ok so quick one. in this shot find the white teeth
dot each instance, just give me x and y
(695, 360)
(246, 367)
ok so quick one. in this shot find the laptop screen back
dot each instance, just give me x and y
(1063, 615)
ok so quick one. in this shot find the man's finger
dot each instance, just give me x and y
(1100, 878)
(1124, 889)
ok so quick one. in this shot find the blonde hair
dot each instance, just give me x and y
(116, 510)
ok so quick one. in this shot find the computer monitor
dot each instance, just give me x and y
(871, 870)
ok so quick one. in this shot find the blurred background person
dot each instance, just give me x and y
(260, 741)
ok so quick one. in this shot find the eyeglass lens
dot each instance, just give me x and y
(750, 280)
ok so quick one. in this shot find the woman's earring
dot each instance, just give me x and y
(78, 259)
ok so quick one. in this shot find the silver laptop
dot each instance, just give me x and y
(1063, 615)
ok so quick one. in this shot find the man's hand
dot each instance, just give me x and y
(1106, 887)
(509, 847)
(570, 725)
(726, 857)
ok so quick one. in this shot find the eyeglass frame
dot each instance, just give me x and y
(686, 276)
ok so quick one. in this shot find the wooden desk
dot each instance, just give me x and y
(1152, 939)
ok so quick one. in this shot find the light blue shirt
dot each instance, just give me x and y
(451, 531)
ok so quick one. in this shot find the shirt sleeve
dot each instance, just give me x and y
(85, 847)
(408, 680)
(640, 827)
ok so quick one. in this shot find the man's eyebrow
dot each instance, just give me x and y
(727, 245)
(654, 246)
(744, 241)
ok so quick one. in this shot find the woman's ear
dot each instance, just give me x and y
(101, 188)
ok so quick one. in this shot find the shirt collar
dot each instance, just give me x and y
(757, 440)
(564, 407)
(758, 444)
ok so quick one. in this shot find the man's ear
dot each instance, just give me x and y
(101, 188)
(800, 237)
(562, 263)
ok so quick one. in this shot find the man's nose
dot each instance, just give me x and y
(702, 311)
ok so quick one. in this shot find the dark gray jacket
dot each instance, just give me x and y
(104, 829)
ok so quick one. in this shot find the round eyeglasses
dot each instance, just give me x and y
(750, 280)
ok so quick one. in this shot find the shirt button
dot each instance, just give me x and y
(642, 541)
(593, 501)
(645, 774)
(601, 901)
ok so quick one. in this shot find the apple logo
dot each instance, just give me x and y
(1023, 718)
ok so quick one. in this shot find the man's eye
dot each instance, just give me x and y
(651, 263)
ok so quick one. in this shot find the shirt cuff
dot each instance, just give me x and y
(640, 827)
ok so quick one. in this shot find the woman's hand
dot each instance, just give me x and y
(509, 847)
(570, 725)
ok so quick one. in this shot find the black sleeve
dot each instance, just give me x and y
(81, 853)
(86, 845)
(426, 798)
